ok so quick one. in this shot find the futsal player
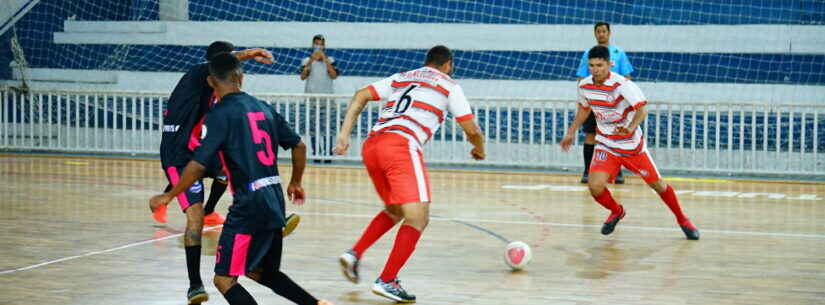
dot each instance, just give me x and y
(619, 107)
(244, 134)
(418, 102)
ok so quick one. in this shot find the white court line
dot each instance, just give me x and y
(470, 220)
(573, 225)
(68, 258)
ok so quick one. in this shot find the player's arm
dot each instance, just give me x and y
(633, 95)
(581, 115)
(193, 171)
(288, 139)
(356, 105)
(218, 131)
(260, 55)
(475, 137)
(638, 119)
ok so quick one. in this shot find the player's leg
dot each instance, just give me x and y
(192, 247)
(230, 262)
(383, 220)
(589, 128)
(643, 165)
(604, 166)
(268, 273)
(409, 180)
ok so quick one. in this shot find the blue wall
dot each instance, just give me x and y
(36, 30)
(513, 12)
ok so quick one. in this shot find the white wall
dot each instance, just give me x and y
(797, 39)
(13, 10)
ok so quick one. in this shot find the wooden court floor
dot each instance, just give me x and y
(78, 231)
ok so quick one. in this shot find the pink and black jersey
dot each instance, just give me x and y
(183, 116)
(245, 134)
(418, 102)
(614, 103)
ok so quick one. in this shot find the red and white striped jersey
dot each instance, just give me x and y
(614, 103)
(417, 102)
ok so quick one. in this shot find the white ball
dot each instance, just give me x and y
(517, 255)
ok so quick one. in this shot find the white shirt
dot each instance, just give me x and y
(417, 101)
(614, 104)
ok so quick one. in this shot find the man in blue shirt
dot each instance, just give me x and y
(621, 65)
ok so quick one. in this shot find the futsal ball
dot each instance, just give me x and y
(517, 255)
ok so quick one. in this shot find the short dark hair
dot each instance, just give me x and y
(438, 55)
(318, 37)
(599, 52)
(223, 65)
(601, 23)
(218, 47)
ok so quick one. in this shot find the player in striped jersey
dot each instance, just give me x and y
(619, 107)
(418, 102)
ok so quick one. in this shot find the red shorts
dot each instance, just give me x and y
(396, 166)
(641, 164)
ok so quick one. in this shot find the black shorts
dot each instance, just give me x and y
(195, 193)
(589, 125)
(240, 253)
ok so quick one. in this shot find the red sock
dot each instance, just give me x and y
(607, 201)
(403, 248)
(669, 197)
(379, 225)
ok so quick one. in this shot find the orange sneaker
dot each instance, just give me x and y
(213, 219)
(159, 213)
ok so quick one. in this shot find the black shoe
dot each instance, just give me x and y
(392, 291)
(619, 178)
(585, 178)
(197, 295)
(691, 233)
(611, 221)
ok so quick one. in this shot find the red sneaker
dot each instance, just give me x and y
(213, 219)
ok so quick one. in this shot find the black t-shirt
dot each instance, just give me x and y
(245, 133)
(183, 116)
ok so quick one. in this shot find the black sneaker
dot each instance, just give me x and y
(691, 233)
(619, 178)
(392, 291)
(585, 178)
(349, 265)
(611, 221)
(197, 295)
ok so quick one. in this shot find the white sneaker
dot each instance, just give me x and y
(349, 265)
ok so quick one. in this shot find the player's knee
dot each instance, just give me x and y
(659, 186)
(223, 283)
(596, 188)
(256, 275)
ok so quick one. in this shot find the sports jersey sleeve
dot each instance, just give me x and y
(458, 105)
(583, 71)
(287, 138)
(582, 101)
(633, 94)
(217, 129)
(624, 66)
(381, 89)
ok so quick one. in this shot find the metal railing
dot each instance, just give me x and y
(698, 137)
